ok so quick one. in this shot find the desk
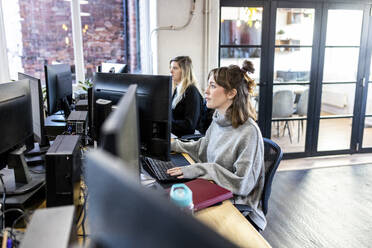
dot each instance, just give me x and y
(226, 220)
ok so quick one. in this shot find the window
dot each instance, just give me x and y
(39, 32)
(110, 34)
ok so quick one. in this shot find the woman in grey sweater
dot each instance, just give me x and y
(231, 152)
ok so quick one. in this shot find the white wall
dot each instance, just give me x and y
(191, 41)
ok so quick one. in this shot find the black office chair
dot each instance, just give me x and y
(205, 120)
(272, 156)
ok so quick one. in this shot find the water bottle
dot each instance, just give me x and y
(181, 195)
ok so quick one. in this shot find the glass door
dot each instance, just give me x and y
(367, 115)
(367, 127)
(293, 57)
(310, 60)
(341, 74)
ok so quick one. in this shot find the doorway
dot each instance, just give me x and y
(312, 96)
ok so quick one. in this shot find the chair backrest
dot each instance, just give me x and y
(283, 103)
(272, 156)
(206, 116)
(303, 103)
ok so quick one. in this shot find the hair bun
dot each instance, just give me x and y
(247, 66)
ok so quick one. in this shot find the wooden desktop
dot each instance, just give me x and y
(226, 220)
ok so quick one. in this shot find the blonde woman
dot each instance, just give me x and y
(187, 100)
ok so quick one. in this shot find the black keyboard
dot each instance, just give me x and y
(159, 168)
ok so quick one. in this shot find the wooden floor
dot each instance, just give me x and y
(325, 161)
(322, 207)
(334, 134)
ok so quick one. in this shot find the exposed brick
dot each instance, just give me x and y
(44, 36)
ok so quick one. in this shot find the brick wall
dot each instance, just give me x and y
(43, 36)
(47, 34)
(103, 33)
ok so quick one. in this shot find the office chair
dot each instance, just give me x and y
(283, 101)
(272, 156)
(301, 110)
(205, 120)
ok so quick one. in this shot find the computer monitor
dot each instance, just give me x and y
(37, 106)
(113, 68)
(16, 136)
(134, 216)
(120, 131)
(154, 106)
(58, 79)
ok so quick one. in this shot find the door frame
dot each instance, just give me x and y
(316, 74)
(359, 80)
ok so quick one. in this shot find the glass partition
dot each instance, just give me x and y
(292, 66)
(339, 78)
(241, 38)
(241, 26)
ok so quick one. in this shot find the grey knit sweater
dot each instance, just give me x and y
(232, 158)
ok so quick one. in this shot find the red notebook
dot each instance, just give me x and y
(206, 193)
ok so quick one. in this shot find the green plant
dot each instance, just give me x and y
(43, 90)
(280, 32)
(86, 84)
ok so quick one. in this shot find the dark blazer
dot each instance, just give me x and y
(186, 114)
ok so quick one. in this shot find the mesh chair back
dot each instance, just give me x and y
(283, 103)
(303, 103)
(272, 157)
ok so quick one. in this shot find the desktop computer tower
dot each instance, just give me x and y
(63, 170)
(82, 105)
(102, 110)
(77, 123)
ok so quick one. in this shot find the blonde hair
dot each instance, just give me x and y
(234, 77)
(187, 75)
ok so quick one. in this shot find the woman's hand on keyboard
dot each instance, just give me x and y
(176, 172)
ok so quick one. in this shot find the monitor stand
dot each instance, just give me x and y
(66, 107)
(38, 150)
(17, 177)
(36, 156)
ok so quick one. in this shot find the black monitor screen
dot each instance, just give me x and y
(120, 131)
(153, 98)
(37, 105)
(134, 216)
(16, 114)
(58, 81)
(16, 138)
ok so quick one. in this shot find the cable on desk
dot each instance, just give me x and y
(82, 209)
(14, 223)
(83, 213)
(84, 217)
(23, 214)
(11, 210)
(83, 227)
